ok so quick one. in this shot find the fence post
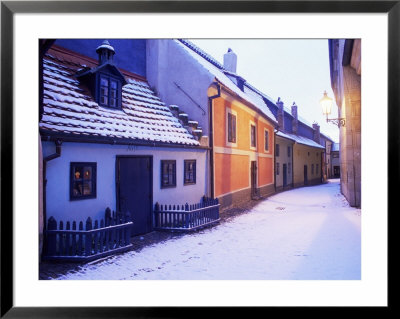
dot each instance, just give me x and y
(80, 239)
(68, 247)
(95, 236)
(61, 239)
(107, 216)
(73, 239)
(88, 237)
(51, 237)
(101, 247)
(128, 229)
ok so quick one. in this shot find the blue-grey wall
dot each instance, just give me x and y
(305, 131)
(130, 54)
(287, 122)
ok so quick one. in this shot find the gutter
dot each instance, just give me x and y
(54, 136)
(211, 135)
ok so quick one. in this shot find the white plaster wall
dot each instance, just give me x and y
(168, 62)
(283, 158)
(58, 173)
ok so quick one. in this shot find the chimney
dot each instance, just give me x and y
(317, 134)
(295, 119)
(281, 123)
(106, 53)
(230, 61)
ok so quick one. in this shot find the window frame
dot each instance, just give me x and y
(118, 97)
(93, 181)
(266, 141)
(277, 168)
(251, 126)
(289, 150)
(229, 128)
(277, 150)
(163, 162)
(185, 164)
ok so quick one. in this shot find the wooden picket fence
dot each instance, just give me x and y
(186, 217)
(109, 236)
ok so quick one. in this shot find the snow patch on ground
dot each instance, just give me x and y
(302, 234)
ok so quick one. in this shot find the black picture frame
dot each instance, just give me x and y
(9, 8)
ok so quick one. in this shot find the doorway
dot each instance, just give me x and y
(253, 174)
(305, 175)
(134, 191)
(284, 172)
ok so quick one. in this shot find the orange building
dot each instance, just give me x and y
(236, 124)
(243, 148)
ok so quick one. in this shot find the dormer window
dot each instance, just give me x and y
(104, 81)
(109, 91)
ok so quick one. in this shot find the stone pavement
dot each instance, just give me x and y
(52, 270)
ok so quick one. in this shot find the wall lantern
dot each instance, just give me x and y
(326, 104)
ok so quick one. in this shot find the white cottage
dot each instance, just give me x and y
(109, 141)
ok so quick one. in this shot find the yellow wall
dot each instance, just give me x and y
(306, 155)
(283, 158)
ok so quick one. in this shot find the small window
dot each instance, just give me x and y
(288, 151)
(109, 92)
(231, 128)
(312, 169)
(252, 135)
(82, 180)
(168, 174)
(316, 169)
(277, 150)
(289, 168)
(189, 174)
(266, 140)
(277, 168)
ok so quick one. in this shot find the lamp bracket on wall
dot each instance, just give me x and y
(339, 122)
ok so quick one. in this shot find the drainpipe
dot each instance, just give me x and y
(211, 140)
(45, 160)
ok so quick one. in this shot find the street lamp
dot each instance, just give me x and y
(326, 104)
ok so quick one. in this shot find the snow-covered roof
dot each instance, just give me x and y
(300, 139)
(227, 78)
(217, 70)
(69, 108)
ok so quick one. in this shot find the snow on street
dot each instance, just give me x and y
(301, 234)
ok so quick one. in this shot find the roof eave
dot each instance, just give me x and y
(79, 138)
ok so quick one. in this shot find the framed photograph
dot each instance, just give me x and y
(75, 46)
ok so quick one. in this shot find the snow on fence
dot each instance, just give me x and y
(186, 217)
(100, 239)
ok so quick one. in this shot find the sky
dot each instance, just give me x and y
(296, 70)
